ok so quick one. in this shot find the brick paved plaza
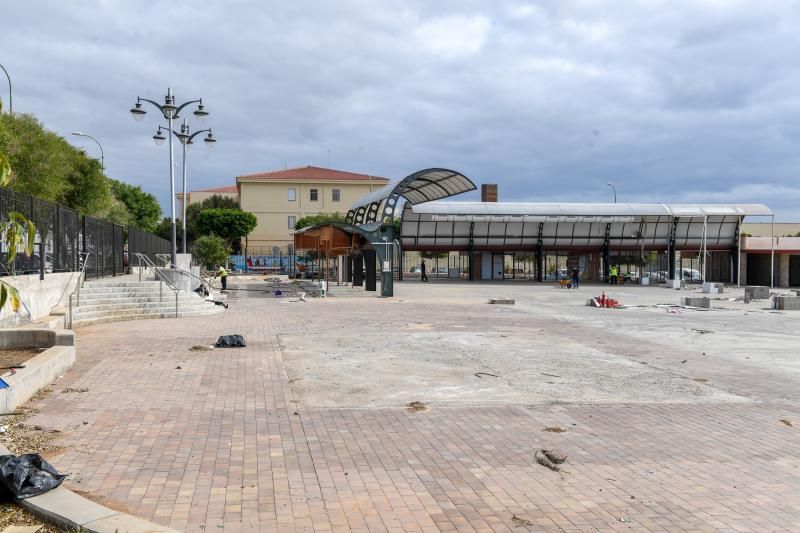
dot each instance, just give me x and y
(673, 419)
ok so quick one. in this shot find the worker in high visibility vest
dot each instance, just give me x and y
(223, 277)
(614, 272)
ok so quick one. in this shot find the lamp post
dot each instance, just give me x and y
(613, 189)
(186, 139)
(170, 112)
(10, 100)
(102, 156)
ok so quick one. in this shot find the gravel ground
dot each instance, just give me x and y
(13, 515)
(19, 437)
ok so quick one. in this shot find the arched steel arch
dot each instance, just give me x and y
(421, 186)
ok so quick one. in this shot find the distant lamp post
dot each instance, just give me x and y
(102, 155)
(171, 112)
(613, 189)
(10, 99)
(186, 139)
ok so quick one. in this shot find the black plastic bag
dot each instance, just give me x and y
(27, 475)
(227, 341)
(202, 290)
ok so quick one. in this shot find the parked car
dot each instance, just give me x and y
(415, 270)
(690, 274)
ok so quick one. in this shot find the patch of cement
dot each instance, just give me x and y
(394, 368)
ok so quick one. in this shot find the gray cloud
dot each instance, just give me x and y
(671, 100)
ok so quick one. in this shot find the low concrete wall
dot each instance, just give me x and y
(39, 296)
(39, 371)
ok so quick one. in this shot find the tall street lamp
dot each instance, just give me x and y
(186, 138)
(10, 100)
(170, 112)
(102, 156)
(613, 189)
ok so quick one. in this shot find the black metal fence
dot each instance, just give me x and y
(103, 244)
(64, 238)
(140, 241)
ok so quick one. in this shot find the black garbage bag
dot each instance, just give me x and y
(27, 475)
(228, 341)
(202, 290)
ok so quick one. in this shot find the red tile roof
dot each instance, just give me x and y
(311, 173)
(227, 188)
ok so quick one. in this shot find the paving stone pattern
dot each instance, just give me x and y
(219, 443)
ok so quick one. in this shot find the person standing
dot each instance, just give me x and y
(422, 269)
(614, 273)
(223, 277)
(576, 277)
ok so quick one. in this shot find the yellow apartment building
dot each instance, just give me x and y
(282, 197)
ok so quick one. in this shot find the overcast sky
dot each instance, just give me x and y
(672, 101)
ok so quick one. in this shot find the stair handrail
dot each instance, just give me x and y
(188, 273)
(77, 291)
(167, 258)
(158, 274)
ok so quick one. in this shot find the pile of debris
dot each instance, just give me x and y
(603, 301)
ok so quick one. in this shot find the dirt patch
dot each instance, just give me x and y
(415, 407)
(550, 458)
(554, 429)
(102, 500)
(17, 356)
(70, 390)
(201, 348)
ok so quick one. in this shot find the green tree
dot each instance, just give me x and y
(48, 167)
(217, 201)
(143, 207)
(230, 224)
(211, 251)
(41, 159)
(322, 218)
(16, 232)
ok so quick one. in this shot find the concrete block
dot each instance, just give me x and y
(501, 301)
(696, 301)
(757, 292)
(676, 283)
(65, 508)
(787, 303)
(713, 287)
(39, 372)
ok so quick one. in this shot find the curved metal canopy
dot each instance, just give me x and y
(419, 187)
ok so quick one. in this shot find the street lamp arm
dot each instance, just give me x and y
(102, 155)
(180, 107)
(195, 134)
(140, 99)
(10, 97)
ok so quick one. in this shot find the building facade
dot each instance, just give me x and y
(280, 198)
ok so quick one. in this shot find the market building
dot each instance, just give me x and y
(649, 243)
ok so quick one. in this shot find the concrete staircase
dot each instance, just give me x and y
(126, 298)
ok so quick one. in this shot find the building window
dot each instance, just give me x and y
(292, 221)
(313, 195)
(336, 195)
(292, 194)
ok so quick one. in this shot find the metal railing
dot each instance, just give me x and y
(77, 292)
(168, 263)
(142, 258)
